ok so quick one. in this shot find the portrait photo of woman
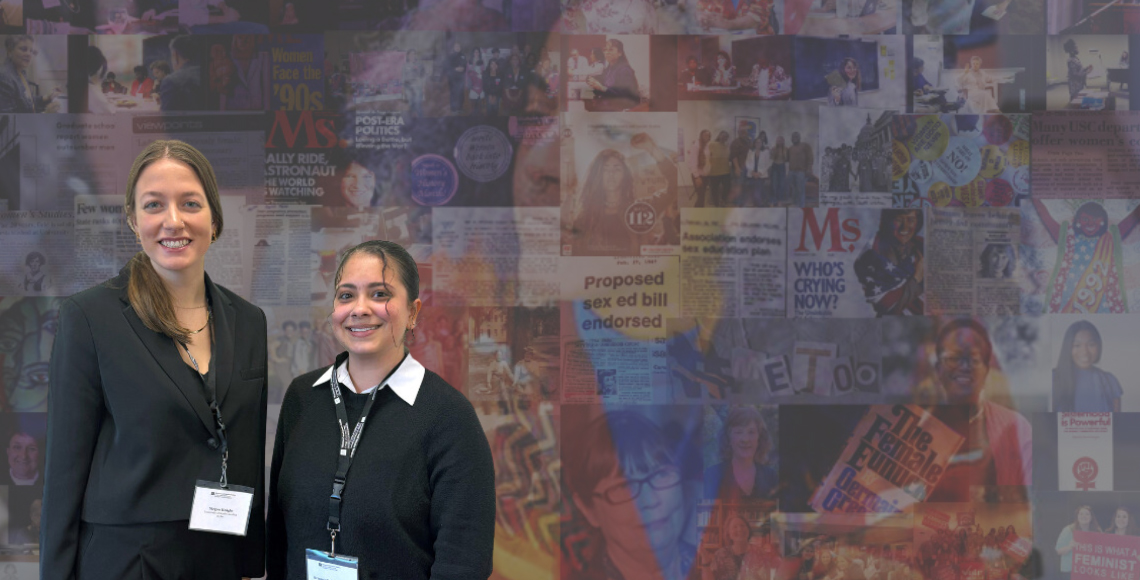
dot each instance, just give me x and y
(998, 261)
(357, 185)
(744, 472)
(1078, 384)
(625, 476)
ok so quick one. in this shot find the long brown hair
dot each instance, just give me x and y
(145, 290)
(1094, 526)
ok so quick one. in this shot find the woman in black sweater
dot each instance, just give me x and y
(419, 499)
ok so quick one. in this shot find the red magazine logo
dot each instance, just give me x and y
(1085, 470)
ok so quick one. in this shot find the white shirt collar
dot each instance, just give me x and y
(19, 481)
(405, 381)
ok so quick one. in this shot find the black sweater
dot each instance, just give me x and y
(420, 496)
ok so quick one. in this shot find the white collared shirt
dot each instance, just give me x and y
(405, 381)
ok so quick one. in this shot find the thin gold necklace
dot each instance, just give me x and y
(209, 316)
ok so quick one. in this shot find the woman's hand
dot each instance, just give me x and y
(595, 84)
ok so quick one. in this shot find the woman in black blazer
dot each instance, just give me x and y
(131, 429)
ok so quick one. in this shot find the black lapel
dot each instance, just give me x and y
(165, 353)
(225, 327)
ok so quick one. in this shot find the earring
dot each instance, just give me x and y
(412, 331)
(214, 236)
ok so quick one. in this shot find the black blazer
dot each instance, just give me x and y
(129, 428)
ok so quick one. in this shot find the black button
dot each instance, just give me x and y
(213, 443)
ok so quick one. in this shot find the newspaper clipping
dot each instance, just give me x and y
(495, 256)
(1083, 151)
(982, 279)
(854, 157)
(733, 262)
(613, 327)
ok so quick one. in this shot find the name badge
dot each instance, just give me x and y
(323, 566)
(220, 510)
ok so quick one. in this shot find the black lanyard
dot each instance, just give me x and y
(210, 386)
(348, 442)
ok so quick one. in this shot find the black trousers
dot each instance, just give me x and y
(155, 551)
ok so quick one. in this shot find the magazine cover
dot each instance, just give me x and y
(619, 184)
(855, 262)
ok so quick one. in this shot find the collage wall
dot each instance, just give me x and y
(675, 252)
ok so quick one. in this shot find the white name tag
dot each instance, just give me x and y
(220, 510)
(321, 566)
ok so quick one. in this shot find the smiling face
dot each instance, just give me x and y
(357, 185)
(1121, 520)
(738, 530)
(21, 54)
(172, 218)
(962, 365)
(23, 456)
(744, 439)
(1084, 518)
(903, 227)
(850, 69)
(976, 63)
(1086, 350)
(1089, 224)
(371, 311)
